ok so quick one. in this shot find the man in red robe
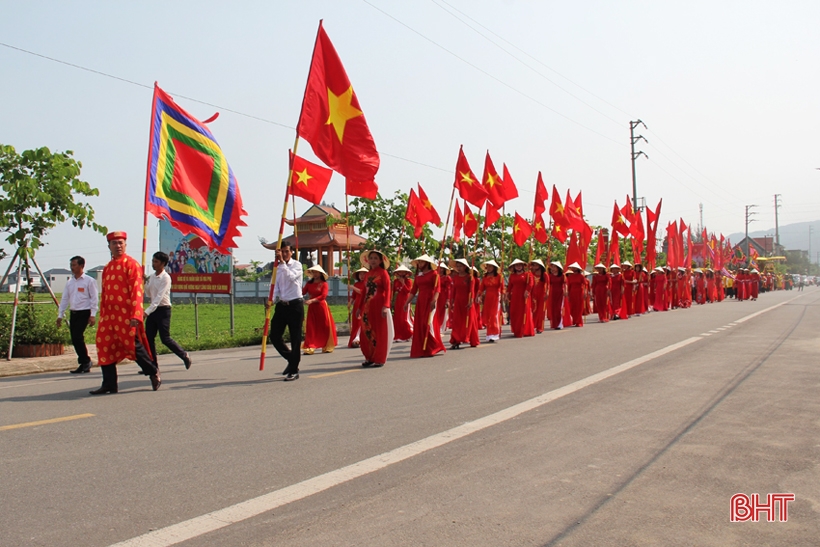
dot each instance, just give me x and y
(121, 333)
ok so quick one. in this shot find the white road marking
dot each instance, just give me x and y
(706, 334)
(714, 331)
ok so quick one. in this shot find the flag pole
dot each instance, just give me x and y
(347, 232)
(447, 225)
(148, 179)
(269, 303)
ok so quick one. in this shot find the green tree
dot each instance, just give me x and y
(39, 191)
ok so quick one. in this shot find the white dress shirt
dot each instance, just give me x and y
(158, 290)
(288, 284)
(79, 294)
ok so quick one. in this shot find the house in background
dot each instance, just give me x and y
(11, 282)
(57, 278)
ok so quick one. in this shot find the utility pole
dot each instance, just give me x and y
(700, 226)
(748, 220)
(632, 140)
(776, 224)
(811, 229)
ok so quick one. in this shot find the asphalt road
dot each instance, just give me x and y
(516, 443)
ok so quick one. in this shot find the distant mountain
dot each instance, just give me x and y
(792, 236)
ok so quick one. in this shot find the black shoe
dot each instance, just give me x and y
(377, 365)
(82, 369)
(455, 346)
(103, 390)
(367, 364)
(291, 377)
(155, 382)
(187, 360)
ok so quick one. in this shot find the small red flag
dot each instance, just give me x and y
(614, 250)
(458, 223)
(557, 212)
(434, 217)
(469, 187)
(416, 214)
(492, 216)
(558, 232)
(510, 189)
(618, 222)
(521, 230)
(493, 183)
(539, 229)
(308, 180)
(572, 215)
(470, 222)
(332, 120)
(573, 252)
(541, 196)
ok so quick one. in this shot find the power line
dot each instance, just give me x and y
(489, 75)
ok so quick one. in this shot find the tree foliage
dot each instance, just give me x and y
(39, 191)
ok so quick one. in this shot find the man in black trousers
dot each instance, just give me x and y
(80, 296)
(288, 311)
(158, 314)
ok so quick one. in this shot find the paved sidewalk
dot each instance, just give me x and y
(32, 365)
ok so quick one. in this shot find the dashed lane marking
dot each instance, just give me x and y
(45, 422)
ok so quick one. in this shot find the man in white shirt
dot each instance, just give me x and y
(288, 311)
(80, 295)
(158, 314)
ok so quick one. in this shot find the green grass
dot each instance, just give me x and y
(214, 324)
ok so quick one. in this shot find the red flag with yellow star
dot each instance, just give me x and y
(425, 201)
(469, 187)
(557, 212)
(493, 183)
(539, 229)
(559, 232)
(470, 222)
(333, 123)
(521, 230)
(618, 222)
(308, 180)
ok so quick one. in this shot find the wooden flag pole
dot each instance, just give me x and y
(447, 225)
(147, 179)
(269, 303)
(503, 233)
(347, 232)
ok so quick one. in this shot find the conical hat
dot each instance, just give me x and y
(424, 258)
(319, 269)
(626, 263)
(491, 263)
(575, 265)
(362, 270)
(402, 268)
(599, 265)
(615, 266)
(460, 261)
(558, 264)
(539, 262)
(515, 262)
(367, 253)
(443, 265)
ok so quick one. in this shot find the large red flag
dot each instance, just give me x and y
(493, 183)
(557, 211)
(618, 222)
(469, 187)
(541, 196)
(510, 189)
(309, 181)
(573, 217)
(629, 213)
(333, 123)
(573, 251)
(458, 223)
(470, 222)
(599, 247)
(434, 218)
(539, 229)
(521, 230)
(559, 232)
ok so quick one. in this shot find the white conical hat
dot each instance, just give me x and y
(557, 263)
(615, 266)
(424, 258)
(599, 265)
(402, 268)
(515, 262)
(539, 262)
(365, 254)
(626, 263)
(492, 263)
(443, 265)
(460, 261)
(361, 270)
(319, 269)
(575, 265)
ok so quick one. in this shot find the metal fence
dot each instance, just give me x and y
(257, 292)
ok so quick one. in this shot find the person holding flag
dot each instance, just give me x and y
(320, 330)
(539, 294)
(490, 292)
(462, 312)
(357, 291)
(575, 292)
(616, 288)
(402, 322)
(444, 296)
(520, 286)
(555, 295)
(601, 288)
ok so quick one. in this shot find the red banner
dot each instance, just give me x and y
(214, 283)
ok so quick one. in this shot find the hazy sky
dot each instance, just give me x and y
(728, 91)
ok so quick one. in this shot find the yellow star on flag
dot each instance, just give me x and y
(538, 225)
(558, 228)
(465, 177)
(559, 208)
(491, 180)
(341, 110)
(304, 177)
(427, 204)
(517, 228)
